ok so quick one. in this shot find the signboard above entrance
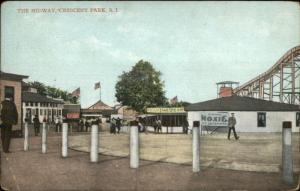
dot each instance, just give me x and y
(165, 110)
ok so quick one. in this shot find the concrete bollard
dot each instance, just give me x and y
(196, 146)
(134, 145)
(65, 140)
(44, 138)
(26, 137)
(287, 158)
(94, 144)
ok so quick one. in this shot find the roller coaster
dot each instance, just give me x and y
(280, 83)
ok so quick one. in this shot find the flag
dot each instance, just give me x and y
(76, 93)
(97, 85)
(174, 100)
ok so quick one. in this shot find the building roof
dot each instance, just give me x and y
(238, 103)
(100, 105)
(34, 97)
(227, 82)
(13, 77)
(72, 107)
(98, 111)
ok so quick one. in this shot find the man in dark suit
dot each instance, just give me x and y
(36, 125)
(231, 126)
(9, 117)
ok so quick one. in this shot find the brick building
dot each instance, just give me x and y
(11, 87)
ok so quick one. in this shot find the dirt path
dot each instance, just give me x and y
(33, 170)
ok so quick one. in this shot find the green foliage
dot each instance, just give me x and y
(141, 87)
(44, 90)
(41, 88)
(180, 104)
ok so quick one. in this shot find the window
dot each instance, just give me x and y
(36, 104)
(9, 92)
(59, 112)
(33, 111)
(26, 104)
(31, 104)
(297, 119)
(261, 119)
(41, 111)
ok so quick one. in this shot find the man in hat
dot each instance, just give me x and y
(231, 126)
(9, 117)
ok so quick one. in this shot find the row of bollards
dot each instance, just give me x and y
(94, 141)
(287, 159)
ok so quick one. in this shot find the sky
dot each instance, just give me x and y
(193, 44)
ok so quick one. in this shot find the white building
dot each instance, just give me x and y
(252, 115)
(36, 104)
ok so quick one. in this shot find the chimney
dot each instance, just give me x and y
(225, 91)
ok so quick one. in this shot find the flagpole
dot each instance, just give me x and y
(79, 96)
(100, 92)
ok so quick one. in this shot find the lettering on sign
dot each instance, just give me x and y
(165, 110)
(214, 118)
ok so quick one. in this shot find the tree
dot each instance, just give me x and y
(141, 87)
(44, 90)
(180, 104)
(40, 87)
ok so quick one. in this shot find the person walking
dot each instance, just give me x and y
(231, 126)
(9, 117)
(36, 125)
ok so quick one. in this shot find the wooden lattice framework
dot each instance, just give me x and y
(280, 83)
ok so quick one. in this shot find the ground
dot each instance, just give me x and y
(33, 170)
(260, 152)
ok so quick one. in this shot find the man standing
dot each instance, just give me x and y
(118, 124)
(159, 128)
(185, 126)
(56, 120)
(36, 125)
(231, 126)
(9, 117)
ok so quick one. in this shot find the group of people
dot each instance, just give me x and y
(37, 124)
(115, 125)
(157, 126)
(85, 124)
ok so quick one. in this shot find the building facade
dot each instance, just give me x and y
(11, 87)
(46, 108)
(252, 115)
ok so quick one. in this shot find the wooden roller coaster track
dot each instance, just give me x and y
(280, 83)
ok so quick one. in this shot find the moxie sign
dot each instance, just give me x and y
(214, 119)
